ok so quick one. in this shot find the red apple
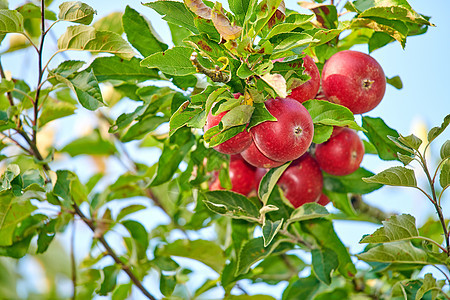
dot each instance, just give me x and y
(242, 176)
(236, 144)
(309, 89)
(355, 80)
(302, 181)
(254, 157)
(323, 200)
(259, 174)
(341, 154)
(289, 137)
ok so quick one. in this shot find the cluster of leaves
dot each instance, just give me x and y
(257, 238)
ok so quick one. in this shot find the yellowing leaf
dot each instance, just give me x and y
(277, 82)
(199, 8)
(223, 25)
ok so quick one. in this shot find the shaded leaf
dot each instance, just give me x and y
(429, 284)
(204, 251)
(444, 176)
(396, 228)
(303, 288)
(32, 11)
(270, 230)
(140, 33)
(175, 61)
(86, 38)
(91, 144)
(436, 131)
(269, 181)
(77, 12)
(397, 252)
(324, 261)
(445, 150)
(109, 279)
(231, 204)
(115, 68)
(308, 211)
(396, 176)
(352, 183)
(327, 113)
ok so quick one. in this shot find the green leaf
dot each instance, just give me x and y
(109, 279)
(140, 33)
(341, 201)
(231, 204)
(395, 176)
(326, 15)
(324, 261)
(86, 87)
(444, 176)
(115, 68)
(293, 21)
(142, 128)
(10, 21)
(270, 230)
(397, 252)
(13, 210)
(6, 86)
(327, 113)
(260, 114)
(336, 294)
(239, 8)
(172, 155)
(91, 144)
(129, 210)
(429, 284)
(174, 12)
(303, 288)
(204, 251)
(167, 284)
(410, 141)
(269, 181)
(54, 109)
(291, 41)
(396, 228)
(111, 22)
(322, 230)
(436, 131)
(395, 82)
(352, 183)
(139, 235)
(77, 12)
(253, 251)
(378, 40)
(377, 132)
(174, 61)
(308, 211)
(18, 249)
(32, 11)
(86, 38)
(277, 268)
(396, 29)
(445, 150)
(69, 188)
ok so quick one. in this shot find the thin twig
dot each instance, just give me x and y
(448, 279)
(73, 262)
(295, 238)
(111, 253)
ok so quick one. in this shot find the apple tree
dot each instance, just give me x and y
(249, 118)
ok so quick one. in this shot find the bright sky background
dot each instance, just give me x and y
(422, 103)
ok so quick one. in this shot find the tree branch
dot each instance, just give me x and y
(73, 262)
(363, 208)
(110, 251)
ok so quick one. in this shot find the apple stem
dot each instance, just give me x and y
(216, 75)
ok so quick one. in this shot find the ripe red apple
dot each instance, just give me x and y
(236, 144)
(302, 181)
(309, 89)
(323, 200)
(259, 174)
(341, 154)
(355, 80)
(289, 137)
(242, 176)
(253, 156)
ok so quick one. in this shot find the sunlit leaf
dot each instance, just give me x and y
(396, 176)
(77, 12)
(231, 204)
(10, 21)
(175, 61)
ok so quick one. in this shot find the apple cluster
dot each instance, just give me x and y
(349, 78)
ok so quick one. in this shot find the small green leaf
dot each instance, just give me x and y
(69, 188)
(139, 235)
(91, 144)
(174, 61)
(270, 230)
(393, 9)
(18, 249)
(352, 183)
(174, 12)
(253, 251)
(142, 128)
(396, 228)
(10, 21)
(111, 22)
(6, 86)
(237, 116)
(429, 284)
(341, 201)
(324, 261)
(140, 33)
(308, 211)
(260, 114)
(269, 181)
(86, 38)
(444, 176)
(327, 113)
(405, 159)
(303, 288)
(377, 132)
(32, 11)
(231, 204)
(293, 21)
(167, 284)
(54, 109)
(395, 82)
(436, 131)
(115, 68)
(204, 251)
(410, 141)
(129, 210)
(445, 150)
(77, 12)
(322, 230)
(395, 176)
(291, 41)
(109, 279)
(397, 252)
